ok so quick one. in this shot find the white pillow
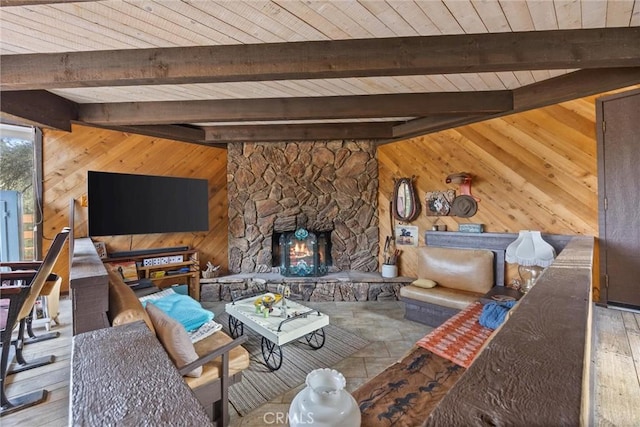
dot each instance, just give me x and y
(424, 283)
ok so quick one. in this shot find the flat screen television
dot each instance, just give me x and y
(121, 204)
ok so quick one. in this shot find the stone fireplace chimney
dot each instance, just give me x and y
(317, 185)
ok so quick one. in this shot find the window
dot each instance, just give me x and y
(20, 211)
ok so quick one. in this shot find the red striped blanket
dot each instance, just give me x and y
(460, 338)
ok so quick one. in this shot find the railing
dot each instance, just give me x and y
(536, 369)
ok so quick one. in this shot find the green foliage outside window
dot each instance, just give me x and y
(16, 173)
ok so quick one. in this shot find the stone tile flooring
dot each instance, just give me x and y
(380, 322)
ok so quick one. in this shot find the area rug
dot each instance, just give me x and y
(259, 384)
(460, 338)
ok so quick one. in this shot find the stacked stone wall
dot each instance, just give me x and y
(322, 290)
(319, 186)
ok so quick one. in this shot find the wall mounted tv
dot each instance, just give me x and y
(121, 204)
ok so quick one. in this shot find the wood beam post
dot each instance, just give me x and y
(463, 53)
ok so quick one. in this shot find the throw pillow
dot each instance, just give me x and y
(424, 283)
(183, 308)
(174, 339)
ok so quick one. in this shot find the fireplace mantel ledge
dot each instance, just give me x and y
(342, 276)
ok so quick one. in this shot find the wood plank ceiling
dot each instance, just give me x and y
(218, 71)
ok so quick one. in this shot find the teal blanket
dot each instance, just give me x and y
(184, 309)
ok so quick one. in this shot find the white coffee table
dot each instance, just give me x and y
(276, 331)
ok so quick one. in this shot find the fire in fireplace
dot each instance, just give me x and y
(303, 253)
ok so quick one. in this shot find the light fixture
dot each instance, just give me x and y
(532, 254)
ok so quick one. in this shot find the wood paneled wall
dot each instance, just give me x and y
(532, 170)
(68, 156)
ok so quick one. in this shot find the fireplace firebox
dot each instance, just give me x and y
(303, 253)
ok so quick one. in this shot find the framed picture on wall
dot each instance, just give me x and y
(406, 235)
(439, 202)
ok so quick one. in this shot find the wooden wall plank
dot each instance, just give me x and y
(532, 170)
(68, 157)
(510, 158)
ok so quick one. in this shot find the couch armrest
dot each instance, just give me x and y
(216, 390)
(221, 351)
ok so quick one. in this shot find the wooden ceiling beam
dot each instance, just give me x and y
(423, 125)
(38, 108)
(563, 88)
(301, 108)
(425, 55)
(174, 132)
(572, 86)
(299, 132)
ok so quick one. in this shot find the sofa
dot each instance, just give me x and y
(222, 359)
(445, 296)
(439, 382)
(449, 279)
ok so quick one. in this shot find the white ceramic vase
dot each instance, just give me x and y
(324, 402)
(389, 270)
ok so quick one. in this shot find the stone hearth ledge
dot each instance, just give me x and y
(340, 286)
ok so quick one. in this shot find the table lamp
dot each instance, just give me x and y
(532, 254)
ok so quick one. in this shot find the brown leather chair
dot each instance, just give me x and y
(19, 293)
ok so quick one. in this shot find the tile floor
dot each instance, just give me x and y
(382, 323)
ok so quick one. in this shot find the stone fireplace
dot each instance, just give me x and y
(324, 186)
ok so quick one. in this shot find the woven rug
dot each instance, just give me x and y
(260, 385)
(460, 338)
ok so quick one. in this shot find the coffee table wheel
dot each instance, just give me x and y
(272, 354)
(315, 339)
(236, 327)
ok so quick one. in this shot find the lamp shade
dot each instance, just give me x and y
(530, 249)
